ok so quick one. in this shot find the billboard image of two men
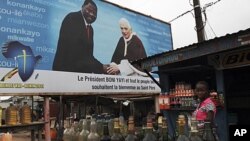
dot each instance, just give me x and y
(100, 38)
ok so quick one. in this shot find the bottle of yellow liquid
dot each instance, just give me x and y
(25, 114)
(11, 115)
(181, 127)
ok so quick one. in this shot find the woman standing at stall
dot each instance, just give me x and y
(206, 109)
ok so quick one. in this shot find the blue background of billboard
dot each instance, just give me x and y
(41, 21)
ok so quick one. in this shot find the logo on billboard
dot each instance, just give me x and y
(24, 57)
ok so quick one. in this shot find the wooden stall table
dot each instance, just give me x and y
(34, 126)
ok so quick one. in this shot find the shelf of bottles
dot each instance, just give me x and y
(15, 115)
(182, 97)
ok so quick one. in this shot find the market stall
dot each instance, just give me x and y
(222, 62)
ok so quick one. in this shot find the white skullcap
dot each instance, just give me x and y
(124, 21)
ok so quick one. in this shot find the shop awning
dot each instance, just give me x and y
(216, 45)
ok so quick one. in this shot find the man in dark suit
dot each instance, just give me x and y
(75, 45)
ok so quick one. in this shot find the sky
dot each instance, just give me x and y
(224, 17)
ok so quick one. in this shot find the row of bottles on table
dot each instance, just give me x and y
(74, 133)
(148, 133)
(14, 116)
(203, 134)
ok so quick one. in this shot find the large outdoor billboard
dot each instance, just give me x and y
(42, 40)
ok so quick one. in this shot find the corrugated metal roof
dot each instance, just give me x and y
(223, 43)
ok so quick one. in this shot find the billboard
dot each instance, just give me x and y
(72, 38)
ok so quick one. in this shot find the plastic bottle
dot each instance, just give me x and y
(25, 114)
(11, 115)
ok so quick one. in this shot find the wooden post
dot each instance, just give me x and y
(46, 119)
(198, 20)
(157, 108)
(60, 120)
(33, 135)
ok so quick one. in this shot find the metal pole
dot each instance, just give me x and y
(198, 21)
(46, 119)
(221, 114)
(32, 107)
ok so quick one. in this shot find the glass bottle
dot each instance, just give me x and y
(11, 115)
(194, 136)
(88, 119)
(117, 136)
(66, 133)
(122, 124)
(194, 133)
(164, 131)
(83, 136)
(149, 131)
(93, 136)
(99, 124)
(80, 125)
(74, 133)
(159, 127)
(131, 130)
(25, 114)
(110, 120)
(181, 135)
(208, 133)
(106, 136)
(139, 132)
